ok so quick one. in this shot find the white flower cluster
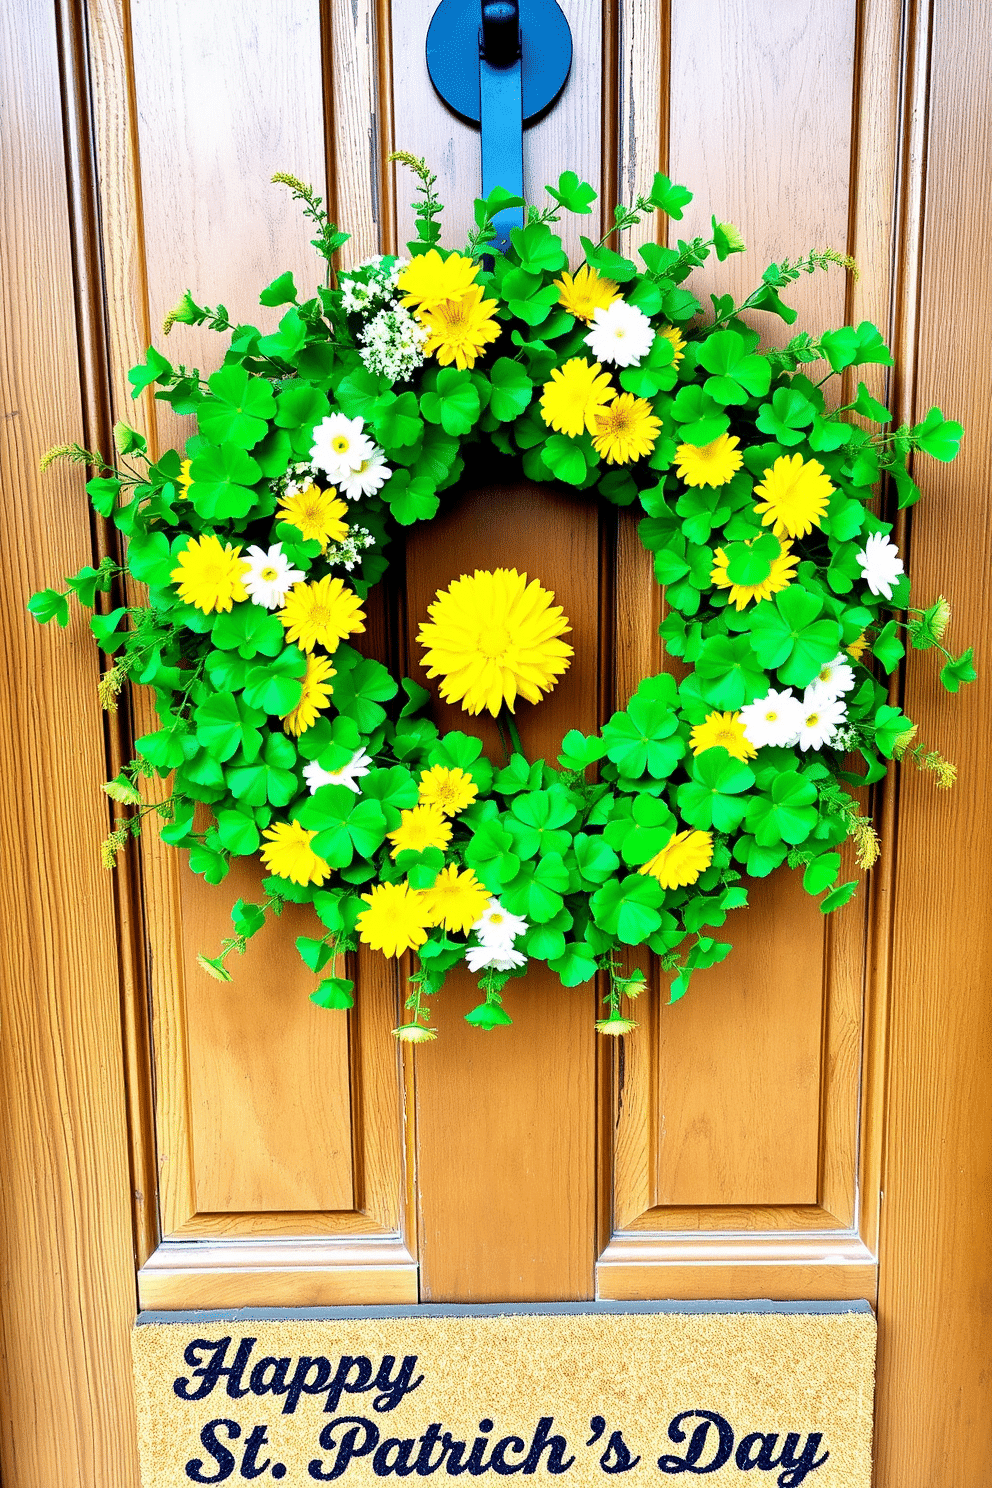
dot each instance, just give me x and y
(496, 930)
(620, 334)
(393, 344)
(370, 284)
(268, 577)
(297, 478)
(812, 721)
(880, 564)
(347, 554)
(315, 775)
(347, 456)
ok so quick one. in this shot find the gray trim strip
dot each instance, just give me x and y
(491, 1309)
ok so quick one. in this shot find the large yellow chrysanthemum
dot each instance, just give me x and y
(321, 614)
(493, 636)
(395, 920)
(288, 854)
(684, 857)
(677, 340)
(711, 464)
(456, 900)
(420, 827)
(318, 515)
(783, 571)
(316, 695)
(209, 574)
(459, 330)
(450, 790)
(573, 396)
(723, 731)
(429, 279)
(585, 292)
(626, 430)
(796, 493)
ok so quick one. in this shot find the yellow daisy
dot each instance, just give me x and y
(185, 479)
(796, 493)
(450, 790)
(209, 574)
(428, 280)
(723, 731)
(626, 430)
(318, 515)
(321, 614)
(458, 330)
(678, 342)
(456, 900)
(711, 464)
(420, 827)
(316, 695)
(394, 921)
(684, 857)
(858, 648)
(584, 292)
(288, 854)
(574, 395)
(783, 571)
(493, 636)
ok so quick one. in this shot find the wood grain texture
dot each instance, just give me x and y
(362, 1272)
(65, 1223)
(935, 1300)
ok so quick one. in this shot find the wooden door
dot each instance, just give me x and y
(808, 1123)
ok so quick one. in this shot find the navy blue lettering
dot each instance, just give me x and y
(423, 1465)
(556, 1448)
(455, 1451)
(222, 1457)
(215, 1369)
(400, 1451)
(498, 1461)
(302, 1384)
(250, 1465)
(764, 1459)
(799, 1468)
(349, 1446)
(276, 1385)
(690, 1462)
(617, 1457)
(343, 1383)
(394, 1388)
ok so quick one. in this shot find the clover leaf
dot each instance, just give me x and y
(222, 479)
(787, 634)
(270, 777)
(490, 854)
(728, 674)
(785, 814)
(512, 389)
(455, 404)
(786, 416)
(275, 686)
(712, 798)
(536, 892)
(572, 194)
(238, 410)
(644, 739)
(938, 436)
(737, 374)
(345, 825)
(629, 908)
(225, 724)
(535, 821)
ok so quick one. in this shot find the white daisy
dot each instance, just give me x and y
(497, 927)
(367, 479)
(821, 717)
(267, 576)
(315, 775)
(773, 719)
(835, 678)
(495, 958)
(881, 564)
(621, 334)
(339, 446)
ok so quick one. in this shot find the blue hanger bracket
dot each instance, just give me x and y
(500, 64)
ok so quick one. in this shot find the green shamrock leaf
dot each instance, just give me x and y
(512, 390)
(938, 436)
(270, 777)
(959, 669)
(728, 674)
(345, 824)
(712, 798)
(455, 404)
(786, 634)
(785, 814)
(275, 686)
(539, 248)
(629, 908)
(536, 892)
(225, 724)
(536, 819)
(237, 412)
(222, 478)
(644, 739)
(572, 194)
(787, 416)
(737, 374)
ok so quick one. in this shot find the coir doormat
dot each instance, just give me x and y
(747, 1394)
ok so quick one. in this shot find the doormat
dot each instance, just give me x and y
(751, 1394)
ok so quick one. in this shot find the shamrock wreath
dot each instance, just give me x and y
(315, 444)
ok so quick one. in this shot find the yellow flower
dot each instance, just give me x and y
(459, 330)
(681, 861)
(316, 694)
(857, 648)
(678, 343)
(420, 828)
(318, 515)
(456, 900)
(450, 790)
(723, 731)
(585, 292)
(783, 571)
(185, 479)
(209, 575)
(626, 430)
(796, 493)
(711, 464)
(288, 854)
(493, 636)
(574, 395)
(429, 279)
(321, 614)
(394, 921)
